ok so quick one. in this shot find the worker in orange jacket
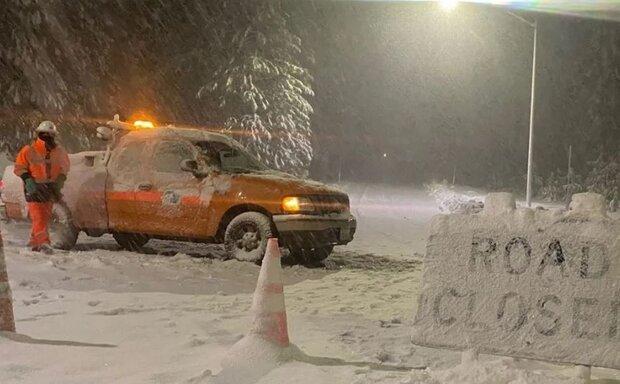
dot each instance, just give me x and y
(43, 166)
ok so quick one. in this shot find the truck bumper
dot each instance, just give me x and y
(311, 231)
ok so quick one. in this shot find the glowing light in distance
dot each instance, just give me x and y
(448, 5)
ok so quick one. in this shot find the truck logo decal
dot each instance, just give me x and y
(170, 198)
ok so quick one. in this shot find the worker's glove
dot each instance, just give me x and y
(31, 186)
(59, 184)
(60, 181)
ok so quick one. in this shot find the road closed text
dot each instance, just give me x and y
(526, 286)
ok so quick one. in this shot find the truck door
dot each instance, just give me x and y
(127, 173)
(177, 211)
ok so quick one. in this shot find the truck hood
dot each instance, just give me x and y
(288, 184)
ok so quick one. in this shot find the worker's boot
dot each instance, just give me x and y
(43, 248)
(47, 249)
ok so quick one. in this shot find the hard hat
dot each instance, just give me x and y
(47, 127)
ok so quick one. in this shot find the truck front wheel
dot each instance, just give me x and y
(130, 241)
(246, 236)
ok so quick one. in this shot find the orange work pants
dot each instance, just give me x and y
(40, 214)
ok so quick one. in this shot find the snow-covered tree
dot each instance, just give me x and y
(261, 84)
(604, 177)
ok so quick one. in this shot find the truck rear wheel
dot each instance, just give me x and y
(63, 233)
(130, 241)
(246, 236)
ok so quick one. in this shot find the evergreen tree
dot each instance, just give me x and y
(261, 85)
(604, 176)
(593, 97)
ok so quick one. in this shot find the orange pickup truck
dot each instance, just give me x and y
(189, 184)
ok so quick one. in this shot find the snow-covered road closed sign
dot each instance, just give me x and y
(538, 284)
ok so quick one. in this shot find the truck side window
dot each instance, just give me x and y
(169, 154)
(129, 157)
(227, 158)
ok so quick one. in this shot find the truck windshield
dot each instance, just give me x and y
(229, 158)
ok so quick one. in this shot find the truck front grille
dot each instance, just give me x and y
(330, 203)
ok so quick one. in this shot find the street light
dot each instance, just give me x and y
(448, 5)
(451, 4)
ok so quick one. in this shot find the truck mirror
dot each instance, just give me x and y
(213, 170)
(104, 133)
(189, 165)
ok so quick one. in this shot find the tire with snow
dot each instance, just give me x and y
(246, 236)
(63, 233)
(311, 256)
(130, 241)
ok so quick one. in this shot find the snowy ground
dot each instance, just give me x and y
(101, 315)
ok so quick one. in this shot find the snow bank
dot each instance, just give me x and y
(450, 200)
(588, 204)
(499, 371)
(252, 358)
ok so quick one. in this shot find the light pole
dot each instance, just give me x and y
(451, 4)
(530, 146)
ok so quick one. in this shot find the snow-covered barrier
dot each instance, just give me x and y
(540, 284)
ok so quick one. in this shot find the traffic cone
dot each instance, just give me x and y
(267, 344)
(7, 321)
(268, 303)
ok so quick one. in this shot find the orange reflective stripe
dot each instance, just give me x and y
(277, 329)
(148, 197)
(190, 200)
(143, 196)
(120, 195)
(273, 288)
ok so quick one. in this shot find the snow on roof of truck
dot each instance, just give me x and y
(191, 134)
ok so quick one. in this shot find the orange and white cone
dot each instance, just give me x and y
(267, 344)
(7, 321)
(268, 304)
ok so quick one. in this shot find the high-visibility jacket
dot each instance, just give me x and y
(43, 165)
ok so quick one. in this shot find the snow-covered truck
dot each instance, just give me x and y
(191, 185)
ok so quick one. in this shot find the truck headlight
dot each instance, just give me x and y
(294, 204)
